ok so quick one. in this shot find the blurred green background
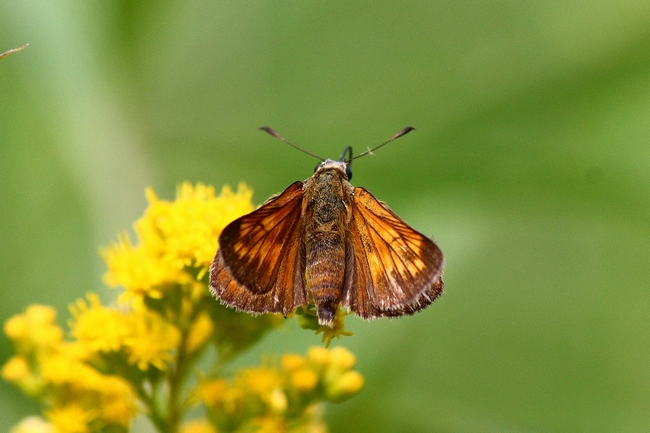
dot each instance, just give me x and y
(530, 167)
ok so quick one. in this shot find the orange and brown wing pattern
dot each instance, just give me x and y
(260, 265)
(391, 268)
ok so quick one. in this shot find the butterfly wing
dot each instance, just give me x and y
(260, 264)
(391, 268)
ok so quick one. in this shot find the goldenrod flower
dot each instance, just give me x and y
(139, 270)
(269, 424)
(72, 418)
(304, 379)
(308, 319)
(151, 341)
(341, 358)
(33, 424)
(191, 225)
(98, 328)
(260, 381)
(211, 392)
(34, 330)
(198, 426)
(319, 356)
(173, 236)
(340, 383)
(61, 369)
(292, 362)
(15, 369)
(136, 359)
(117, 403)
(344, 386)
(200, 331)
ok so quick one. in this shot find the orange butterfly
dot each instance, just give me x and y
(325, 240)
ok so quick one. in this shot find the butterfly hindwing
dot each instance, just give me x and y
(260, 265)
(391, 268)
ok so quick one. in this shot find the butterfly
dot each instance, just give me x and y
(330, 243)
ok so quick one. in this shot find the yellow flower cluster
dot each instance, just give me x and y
(79, 397)
(281, 398)
(175, 239)
(139, 357)
(142, 335)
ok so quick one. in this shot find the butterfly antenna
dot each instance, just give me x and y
(394, 137)
(281, 138)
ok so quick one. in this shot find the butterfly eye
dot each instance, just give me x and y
(316, 168)
(348, 172)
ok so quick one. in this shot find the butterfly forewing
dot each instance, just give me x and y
(260, 263)
(393, 269)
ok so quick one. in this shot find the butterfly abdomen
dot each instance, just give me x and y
(324, 237)
(326, 270)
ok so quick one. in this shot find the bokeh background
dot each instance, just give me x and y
(530, 166)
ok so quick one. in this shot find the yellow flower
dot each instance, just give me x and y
(162, 330)
(192, 224)
(198, 426)
(211, 392)
(269, 424)
(111, 397)
(340, 383)
(200, 332)
(277, 401)
(34, 330)
(265, 383)
(218, 396)
(98, 328)
(312, 422)
(336, 330)
(33, 424)
(334, 367)
(141, 271)
(20, 325)
(260, 381)
(152, 341)
(342, 358)
(304, 380)
(344, 386)
(302, 377)
(318, 355)
(307, 318)
(173, 236)
(292, 362)
(15, 369)
(72, 418)
(62, 369)
(117, 401)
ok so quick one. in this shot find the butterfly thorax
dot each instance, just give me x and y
(326, 211)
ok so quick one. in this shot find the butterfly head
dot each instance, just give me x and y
(343, 164)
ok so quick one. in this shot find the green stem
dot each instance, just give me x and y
(155, 416)
(174, 412)
(176, 407)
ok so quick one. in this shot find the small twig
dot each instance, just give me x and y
(13, 50)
